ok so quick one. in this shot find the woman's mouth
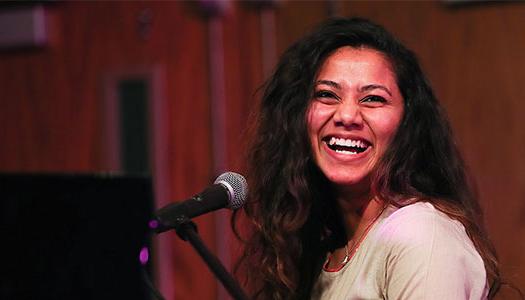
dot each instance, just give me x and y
(346, 146)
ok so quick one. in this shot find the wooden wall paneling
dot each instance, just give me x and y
(190, 141)
(296, 18)
(41, 101)
(217, 66)
(243, 76)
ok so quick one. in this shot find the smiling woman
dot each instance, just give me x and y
(355, 112)
(357, 190)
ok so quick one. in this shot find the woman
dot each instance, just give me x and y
(357, 190)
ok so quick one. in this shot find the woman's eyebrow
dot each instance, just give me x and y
(370, 87)
(329, 82)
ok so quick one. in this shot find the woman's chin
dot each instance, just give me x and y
(347, 181)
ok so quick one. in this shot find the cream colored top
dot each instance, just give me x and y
(414, 252)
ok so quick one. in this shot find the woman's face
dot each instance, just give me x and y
(355, 111)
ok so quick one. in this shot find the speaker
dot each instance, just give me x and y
(73, 236)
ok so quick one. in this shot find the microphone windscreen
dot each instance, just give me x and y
(237, 188)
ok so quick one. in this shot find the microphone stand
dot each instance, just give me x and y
(187, 231)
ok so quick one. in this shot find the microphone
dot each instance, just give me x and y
(229, 190)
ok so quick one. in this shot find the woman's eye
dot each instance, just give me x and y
(326, 96)
(373, 99)
(323, 94)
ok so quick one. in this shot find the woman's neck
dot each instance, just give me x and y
(359, 210)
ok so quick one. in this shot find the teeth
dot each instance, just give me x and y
(346, 143)
(345, 152)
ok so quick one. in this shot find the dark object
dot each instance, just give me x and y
(133, 116)
(73, 236)
(23, 27)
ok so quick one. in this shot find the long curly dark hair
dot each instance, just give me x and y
(291, 207)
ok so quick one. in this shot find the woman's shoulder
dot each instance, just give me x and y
(420, 213)
(422, 223)
(429, 252)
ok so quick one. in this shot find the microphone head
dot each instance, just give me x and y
(236, 186)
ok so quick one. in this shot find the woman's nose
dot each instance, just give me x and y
(348, 114)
